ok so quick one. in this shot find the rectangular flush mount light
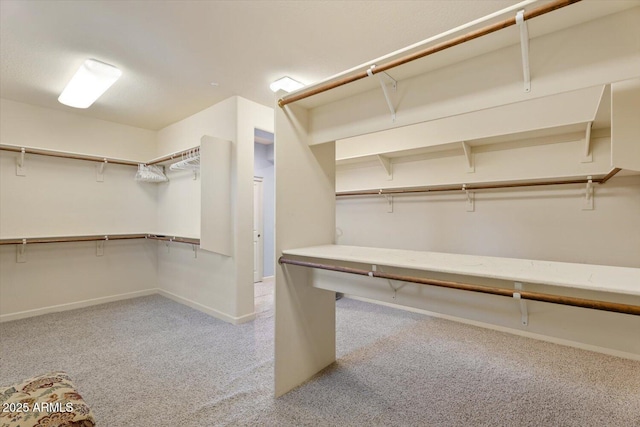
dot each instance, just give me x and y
(91, 80)
(285, 83)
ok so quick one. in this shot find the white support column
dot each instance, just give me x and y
(305, 216)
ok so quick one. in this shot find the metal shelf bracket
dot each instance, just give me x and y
(588, 201)
(524, 46)
(389, 202)
(524, 314)
(471, 206)
(391, 81)
(100, 247)
(100, 170)
(21, 251)
(21, 169)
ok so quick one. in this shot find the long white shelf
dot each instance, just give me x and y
(602, 278)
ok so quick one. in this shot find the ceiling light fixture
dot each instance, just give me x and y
(91, 80)
(285, 83)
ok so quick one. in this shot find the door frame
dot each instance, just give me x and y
(258, 234)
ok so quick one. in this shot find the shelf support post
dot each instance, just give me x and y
(524, 46)
(524, 313)
(385, 91)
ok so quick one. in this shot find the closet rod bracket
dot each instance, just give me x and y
(471, 206)
(21, 251)
(382, 76)
(389, 201)
(524, 313)
(588, 200)
(100, 247)
(100, 170)
(524, 46)
(21, 169)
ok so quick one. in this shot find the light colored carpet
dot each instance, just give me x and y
(153, 362)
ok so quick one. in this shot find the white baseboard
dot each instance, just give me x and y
(74, 305)
(561, 341)
(208, 310)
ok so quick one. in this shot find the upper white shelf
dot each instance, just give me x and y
(620, 280)
(531, 122)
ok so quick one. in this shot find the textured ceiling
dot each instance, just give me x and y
(171, 51)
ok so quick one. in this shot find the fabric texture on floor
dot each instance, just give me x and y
(153, 362)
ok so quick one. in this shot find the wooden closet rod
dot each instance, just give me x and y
(473, 187)
(343, 80)
(96, 238)
(534, 296)
(66, 155)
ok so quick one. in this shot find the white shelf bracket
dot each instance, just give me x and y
(21, 169)
(469, 155)
(588, 201)
(524, 313)
(195, 251)
(169, 244)
(588, 155)
(100, 247)
(524, 45)
(470, 199)
(100, 171)
(21, 251)
(394, 85)
(387, 165)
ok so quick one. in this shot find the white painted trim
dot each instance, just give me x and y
(554, 340)
(208, 310)
(74, 305)
(268, 278)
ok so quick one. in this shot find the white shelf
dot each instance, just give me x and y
(602, 278)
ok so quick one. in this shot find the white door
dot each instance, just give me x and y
(258, 257)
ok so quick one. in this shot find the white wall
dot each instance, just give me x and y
(214, 283)
(537, 223)
(31, 126)
(60, 197)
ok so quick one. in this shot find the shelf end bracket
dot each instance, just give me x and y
(588, 153)
(469, 155)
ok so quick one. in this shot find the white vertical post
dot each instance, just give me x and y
(305, 216)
